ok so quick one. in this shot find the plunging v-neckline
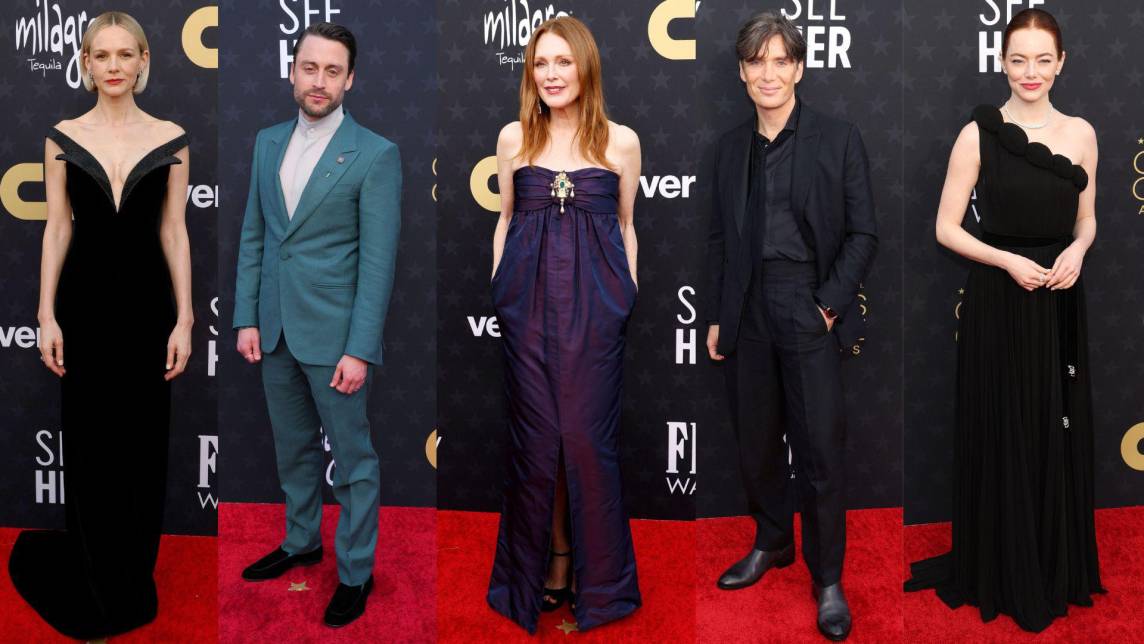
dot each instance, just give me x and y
(133, 175)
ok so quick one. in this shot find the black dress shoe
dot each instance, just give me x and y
(833, 613)
(274, 564)
(750, 569)
(348, 603)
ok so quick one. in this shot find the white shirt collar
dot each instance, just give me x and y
(326, 125)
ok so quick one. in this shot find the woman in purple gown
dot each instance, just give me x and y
(564, 265)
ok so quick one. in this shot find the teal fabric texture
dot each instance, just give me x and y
(324, 276)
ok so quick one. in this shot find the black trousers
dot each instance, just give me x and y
(784, 378)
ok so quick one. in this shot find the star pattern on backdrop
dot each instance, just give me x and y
(867, 94)
(392, 73)
(177, 91)
(1087, 87)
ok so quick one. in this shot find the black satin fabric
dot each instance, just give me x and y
(1024, 541)
(116, 310)
(563, 294)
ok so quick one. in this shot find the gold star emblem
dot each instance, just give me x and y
(1140, 141)
(567, 626)
(297, 588)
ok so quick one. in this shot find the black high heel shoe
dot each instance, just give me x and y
(558, 595)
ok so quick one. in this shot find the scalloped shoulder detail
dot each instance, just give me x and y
(1013, 138)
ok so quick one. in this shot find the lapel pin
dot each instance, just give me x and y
(341, 159)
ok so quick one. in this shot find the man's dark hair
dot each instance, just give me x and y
(330, 31)
(761, 28)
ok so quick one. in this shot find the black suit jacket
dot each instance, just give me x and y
(834, 208)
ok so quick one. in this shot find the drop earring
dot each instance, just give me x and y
(539, 106)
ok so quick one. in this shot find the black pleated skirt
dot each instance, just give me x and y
(1024, 541)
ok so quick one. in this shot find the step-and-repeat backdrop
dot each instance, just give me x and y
(950, 67)
(853, 72)
(649, 74)
(678, 95)
(394, 94)
(40, 85)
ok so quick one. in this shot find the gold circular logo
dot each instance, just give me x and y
(479, 184)
(202, 19)
(431, 448)
(1130, 447)
(10, 183)
(657, 33)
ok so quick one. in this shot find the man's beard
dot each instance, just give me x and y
(331, 105)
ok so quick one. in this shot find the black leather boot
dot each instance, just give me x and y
(833, 612)
(750, 569)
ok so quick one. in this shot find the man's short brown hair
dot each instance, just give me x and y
(761, 28)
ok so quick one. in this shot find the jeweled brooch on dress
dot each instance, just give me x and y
(562, 188)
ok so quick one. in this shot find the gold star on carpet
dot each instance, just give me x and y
(567, 626)
(295, 588)
(1140, 141)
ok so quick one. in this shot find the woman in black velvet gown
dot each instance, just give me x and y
(1024, 542)
(116, 283)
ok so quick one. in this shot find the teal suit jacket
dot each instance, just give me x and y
(324, 277)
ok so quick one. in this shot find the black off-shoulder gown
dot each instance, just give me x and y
(116, 309)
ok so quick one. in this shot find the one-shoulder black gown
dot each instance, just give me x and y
(116, 310)
(1024, 543)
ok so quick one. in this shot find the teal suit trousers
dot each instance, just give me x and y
(317, 287)
(302, 407)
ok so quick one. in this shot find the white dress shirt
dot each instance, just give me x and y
(306, 146)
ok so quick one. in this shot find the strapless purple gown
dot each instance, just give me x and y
(563, 294)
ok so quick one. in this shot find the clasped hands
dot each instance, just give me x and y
(1030, 275)
(349, 375)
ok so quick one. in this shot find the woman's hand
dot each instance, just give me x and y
(52, 347)
(1066, 270)
(178, 351)
(1028, 274)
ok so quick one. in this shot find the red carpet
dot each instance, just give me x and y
(400, 609)
(780, 608)
(186, 577)
(1114, 617)
(665, 558)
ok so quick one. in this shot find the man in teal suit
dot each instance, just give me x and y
(315, 271)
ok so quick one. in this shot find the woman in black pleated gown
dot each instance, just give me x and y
(115, 283)
(1024, 543)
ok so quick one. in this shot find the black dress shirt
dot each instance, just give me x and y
(768, 197)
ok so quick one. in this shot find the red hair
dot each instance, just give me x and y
(1033, 19)
(593, 132)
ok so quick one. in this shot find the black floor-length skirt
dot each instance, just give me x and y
(1024, 542)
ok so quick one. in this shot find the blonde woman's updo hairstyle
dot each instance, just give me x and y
(120, 19)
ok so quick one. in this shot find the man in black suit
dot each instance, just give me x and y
(791, 238)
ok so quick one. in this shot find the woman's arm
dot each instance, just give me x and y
(628, 153)
(177, 251)
(57, 237)
(964, 165)
(508, 145)
(1066, 268)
